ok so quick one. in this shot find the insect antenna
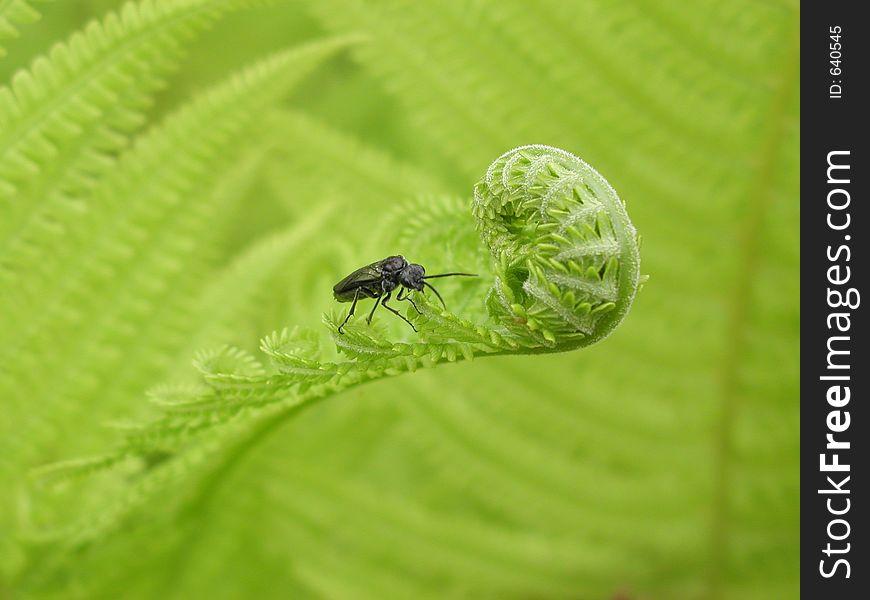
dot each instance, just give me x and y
(436, 293)
(444, 275)
(450, 275)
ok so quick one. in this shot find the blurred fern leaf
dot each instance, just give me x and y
(13, 14)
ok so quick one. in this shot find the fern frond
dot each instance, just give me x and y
(512, 462)
(14, 13)
(144, 189)
(297, 353)
(540, 75)
(228, 365)
(69, 469)
(437, 325)
(241, 390)
(566, 252)
(427, 543)
(68, 113)
(333, 162)
(179, 397)
(147, 241)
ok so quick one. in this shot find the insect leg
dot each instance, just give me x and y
(407, 297)
(371, 314)
(352, 308)
(395, 312)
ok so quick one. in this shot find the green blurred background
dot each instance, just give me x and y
(662, 463)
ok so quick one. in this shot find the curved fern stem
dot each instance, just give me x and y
(565, 270)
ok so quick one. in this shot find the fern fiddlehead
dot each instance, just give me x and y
(565, 270)
(566, 260)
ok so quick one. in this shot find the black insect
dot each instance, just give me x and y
(379, 279)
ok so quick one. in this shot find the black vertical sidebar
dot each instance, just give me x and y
(835, 562)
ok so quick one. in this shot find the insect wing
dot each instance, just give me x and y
(364, 276)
